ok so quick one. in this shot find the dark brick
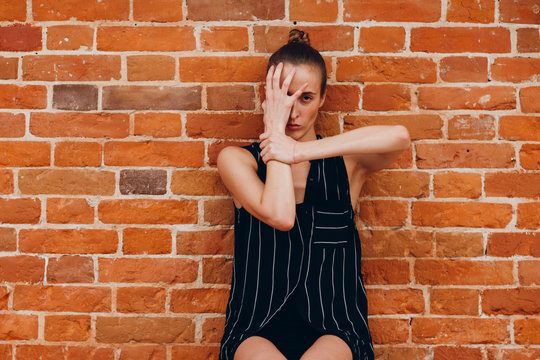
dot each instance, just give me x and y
(151, 97)
(149, 182)
(75, 97)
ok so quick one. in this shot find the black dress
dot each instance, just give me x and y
(294, 286)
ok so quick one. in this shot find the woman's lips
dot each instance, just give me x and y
(293, 126)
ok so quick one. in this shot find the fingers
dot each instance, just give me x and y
(264, 136)
(269, 75)
(277, 76)
(299, 92)
(287, 81)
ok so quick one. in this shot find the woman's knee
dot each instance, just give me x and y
(258, 348)
(328, 347)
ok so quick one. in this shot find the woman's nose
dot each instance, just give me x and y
(294, 111)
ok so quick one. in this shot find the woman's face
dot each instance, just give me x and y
(301, 124)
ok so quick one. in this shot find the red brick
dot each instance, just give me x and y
(140, 300)
(154, 153)
(516, 69)
(224, 126)
(529, 272)
(62, 298)
(464, 155)
(513, 354)
(381, 39)
(463, 272)
(9, 68)
(145, 38)
(64, 182)
(385, 97)
(461, 352)
(70, 124)
(528, 215)
(67, 328)
(6, 352)
(70, 269)
(510, 244)
(68, 241)
(406, 301)
(457, 184)
(157, 10)
(528, 40)
(75, 97)
(477, 127)
(420, 126)
(52, 352)
(395, 352)
(219, 212)
(454, 301)
(215, 242)
(70, 37)
(528, 98)
(473, 98)
(217, 270)
(521, 12)
(21, 268)
(18, 327)
(520, 128)
(407, 11)
(152, 97)
(6, 182)
(380, 334)
(396, 243)
(212, 330)
(460, 331)
(199, 300)
(397, 183)
(461, 214)
(511, 301)
(20, 211)
(71, 67)
(155, 211)
(151, 270)
(158, 125)
(78, 153)
(195, 352)
(268, 39)
(235, 10)
(54, 10)
(150, 67)
(20, 37)
(13, 10)
(224, 38)
(197, 182)
(386, 69)
(233, 97)
(144, 329)
(459, 244)
(527, 331)
(383, 271)
(222, 69)
(313, 10)
(464, 69)
(460, 39)
(8, 239)
(529, 155)
(143, 352)
(23, 97)
(12, 125)
(512, 184)
(383, 212)
(146, 241)
(471, 11)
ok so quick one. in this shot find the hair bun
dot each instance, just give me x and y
(298, 36)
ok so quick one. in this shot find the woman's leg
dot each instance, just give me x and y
(258, 348)
(328, 347)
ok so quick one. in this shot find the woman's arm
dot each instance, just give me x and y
(373, 147)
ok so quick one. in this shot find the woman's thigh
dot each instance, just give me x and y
(328, 347)
(257, 348)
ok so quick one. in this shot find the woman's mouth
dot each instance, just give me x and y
(293, 126)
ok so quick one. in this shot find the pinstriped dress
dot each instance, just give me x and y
(316, 264)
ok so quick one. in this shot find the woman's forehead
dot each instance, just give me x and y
(304, 73)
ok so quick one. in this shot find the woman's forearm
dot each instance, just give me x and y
(278, 197)
(378, 139)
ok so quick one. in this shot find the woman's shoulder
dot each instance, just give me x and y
(234, 154)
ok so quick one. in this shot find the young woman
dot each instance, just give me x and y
(297, 290)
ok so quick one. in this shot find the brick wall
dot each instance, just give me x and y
(115, 236)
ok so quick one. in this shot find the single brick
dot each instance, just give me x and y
(224, 38)
(20, 37)
(20, 211)
(67, 328)
(222, 69)
(521, 12)
(383, 212)
(11, 10)
(149, 182)
(211, 300)
(381, 39)
(77, 153)
(68, 241)
(75, 97)
(510, 244)
(469, 98)
(460, 39)
(463, 272)
(385, 97)
(397, 184)
(454, 301)
(157, 10)
(154, 153)
(12, 125)
(528, 98)
(528, 40)
(464, 69)
(386, 69)
(69, 211)
(145, 38)
(230, 97)
(224, 126)
(8, 68)
(471, 11)
(140, 300)
(459, 244)
(396, 243)
(403, 301)
(67, 181)
(71, 67)
(21, 268)
(70, 37)
(23, 97)
(385, 271)
(8, 239)
(420, 126)
(158, 125)
(313, 10)
(54, 10)
(407, 11)
(467, 330)
(74, 124)
(151, 97)
(150, 67)
(208, 10)
(477, 127)
(155, 211)
(457, 184)
(516, 69)
(197, 182)
(57, 298)
(148, 270)
(146, 241)
(70, 269)
(461, 214)
(528, 215)
(211, 242)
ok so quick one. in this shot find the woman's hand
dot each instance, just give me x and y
(277, 105)
(277, 146)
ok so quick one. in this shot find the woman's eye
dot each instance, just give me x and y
(306, 98)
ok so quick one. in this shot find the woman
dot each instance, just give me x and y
(297, 289)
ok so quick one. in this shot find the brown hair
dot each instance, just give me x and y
(298, 51)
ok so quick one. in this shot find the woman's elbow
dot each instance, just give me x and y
(403, 138)
(283, 222)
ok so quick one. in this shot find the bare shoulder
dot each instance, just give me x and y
(232, 156)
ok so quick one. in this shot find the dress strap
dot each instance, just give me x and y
(255, 150)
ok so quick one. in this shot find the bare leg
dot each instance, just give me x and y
(328, 347)
(258, 348)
